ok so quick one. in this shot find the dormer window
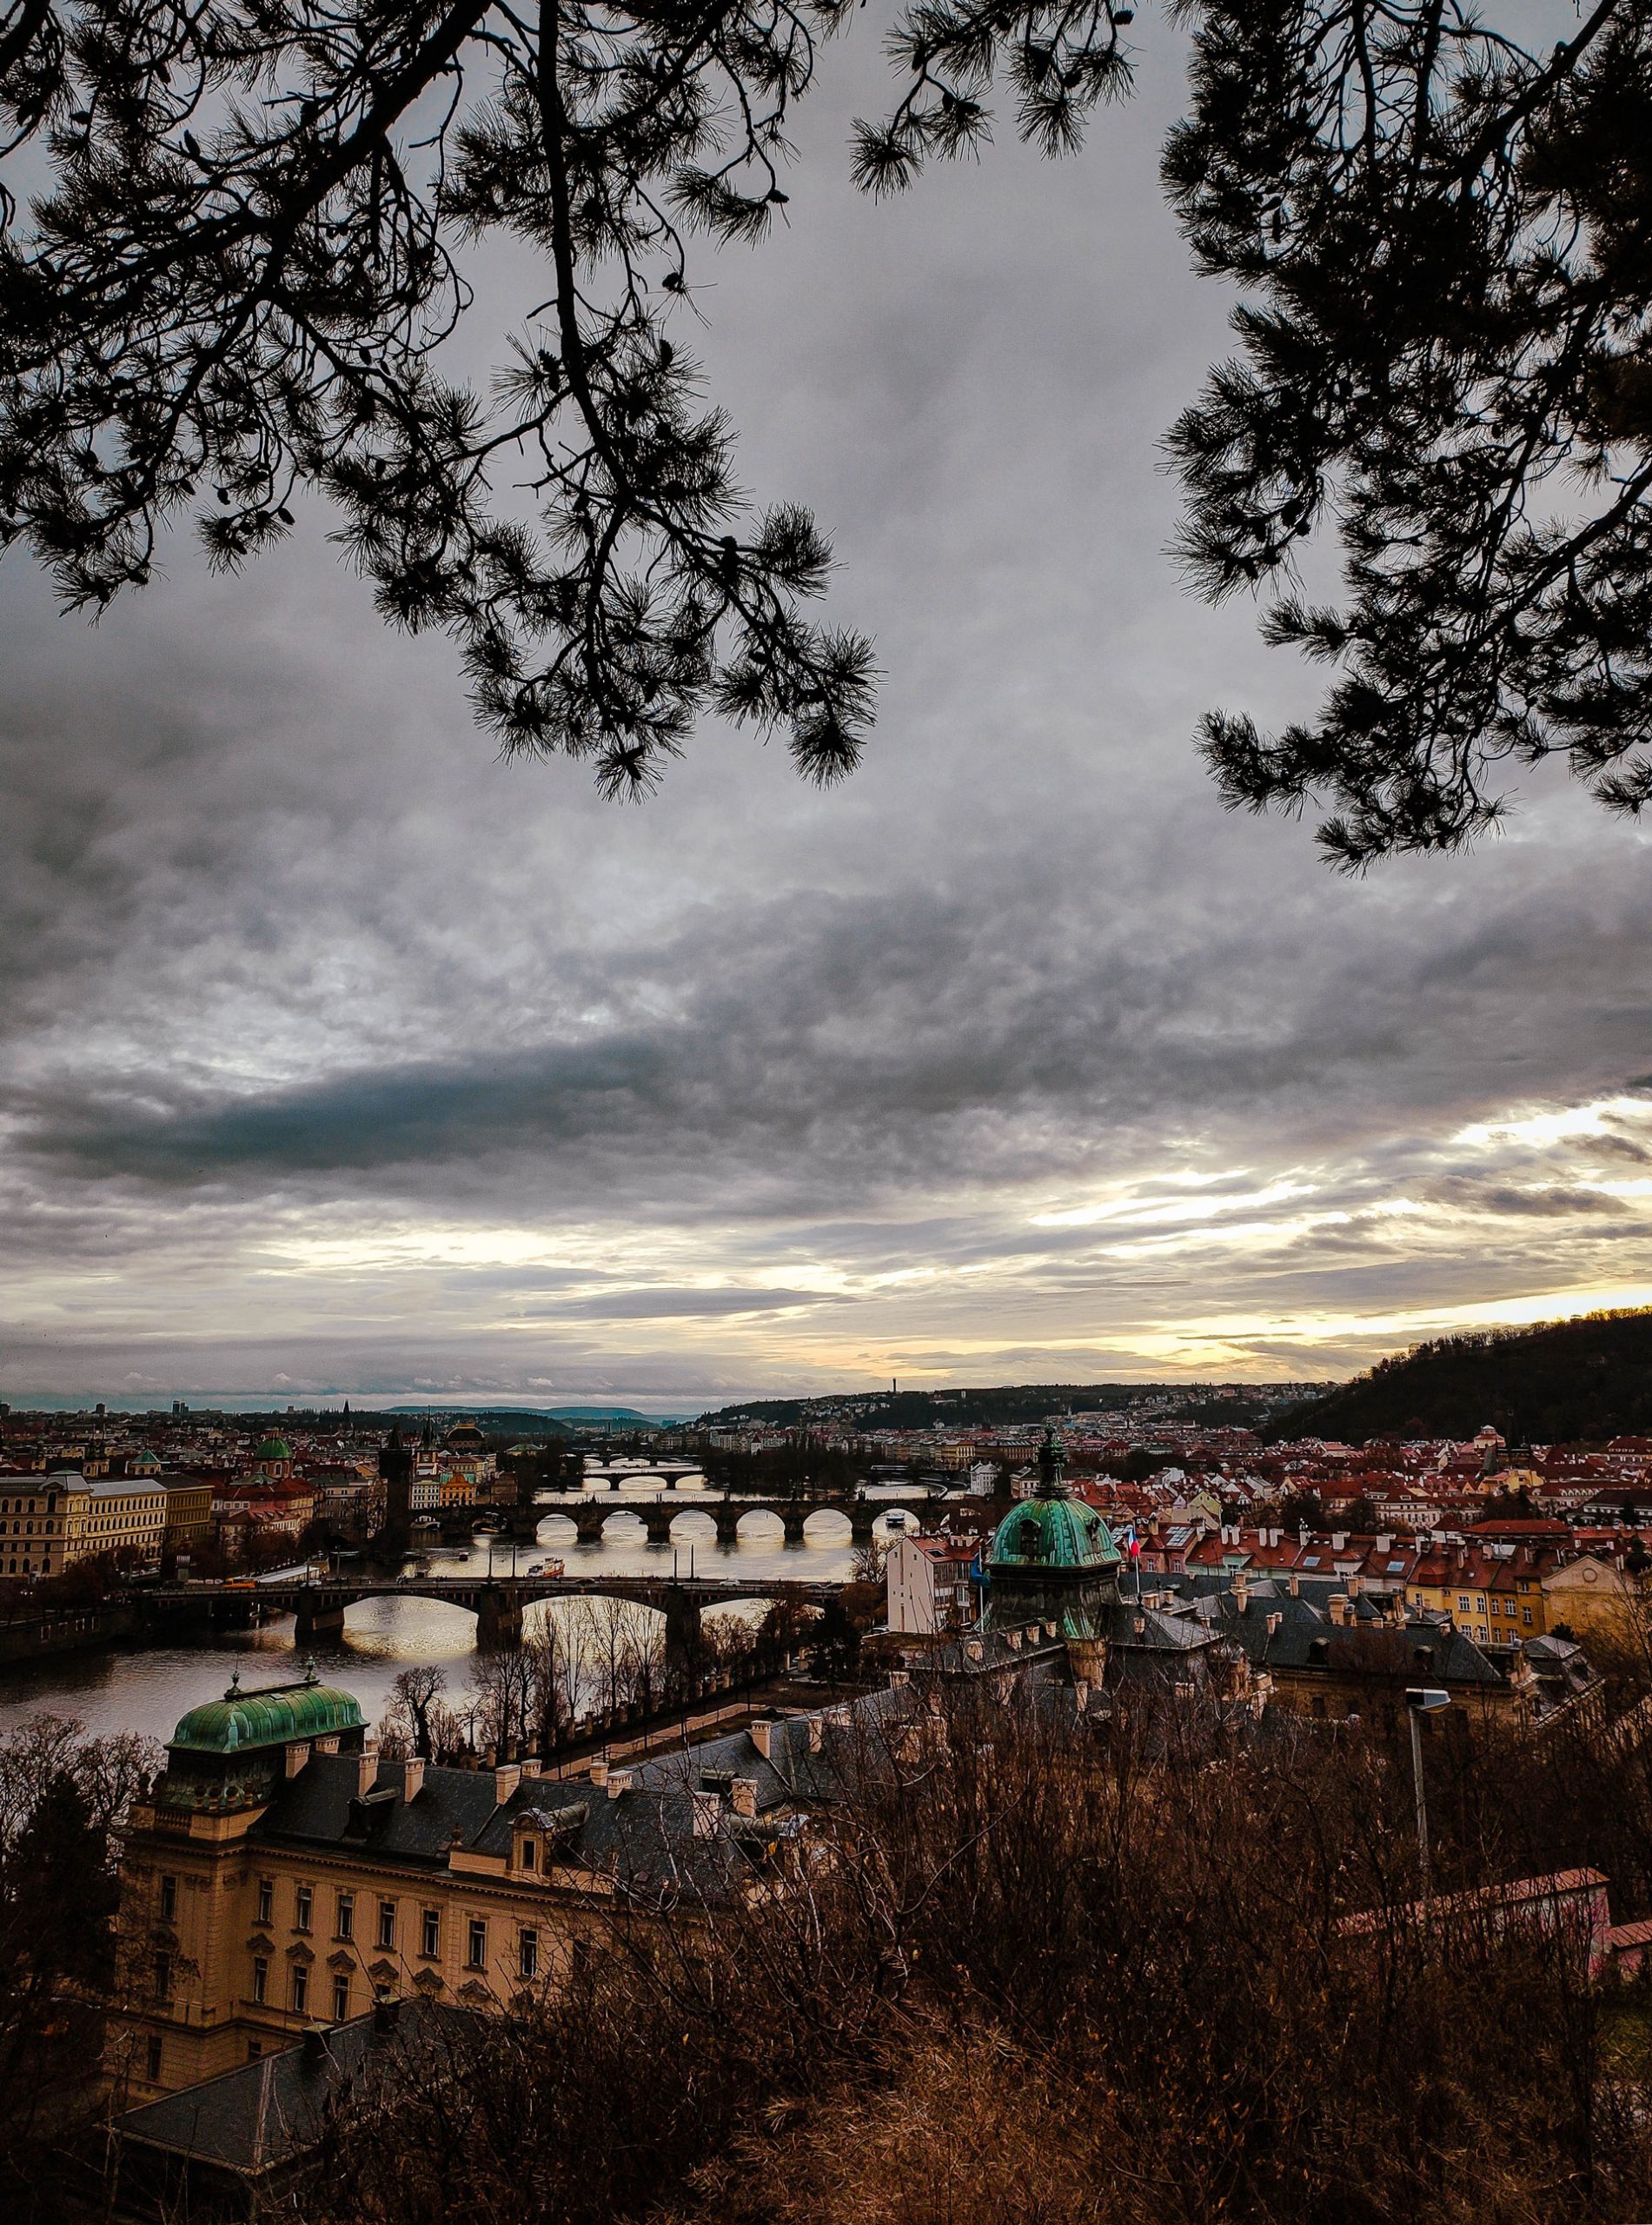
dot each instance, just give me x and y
(530, 1854)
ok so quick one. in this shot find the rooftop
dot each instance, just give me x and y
(274, 1714)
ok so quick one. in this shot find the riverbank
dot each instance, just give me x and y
(28, 1638)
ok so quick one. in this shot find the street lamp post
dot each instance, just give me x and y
(1423, 1700)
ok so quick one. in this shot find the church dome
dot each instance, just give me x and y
(464, 1437)
(1051, 1532)
(273, 1448)
(274, 1715)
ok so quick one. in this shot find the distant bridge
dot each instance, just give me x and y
(599, 1473)
(658, 1515)
(321, 1603)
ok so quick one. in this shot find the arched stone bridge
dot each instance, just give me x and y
(320, 1606)
(658, 1515)
(602, 1475)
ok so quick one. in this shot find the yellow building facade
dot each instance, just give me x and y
(281, 1875)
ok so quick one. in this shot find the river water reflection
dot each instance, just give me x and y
(149, 1691)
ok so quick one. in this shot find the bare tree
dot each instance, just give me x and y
(415, 1695)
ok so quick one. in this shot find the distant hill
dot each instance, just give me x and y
(1244, 1405)
(560, 1418)
(1559, 1383)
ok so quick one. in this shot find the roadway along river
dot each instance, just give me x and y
(148, 1690)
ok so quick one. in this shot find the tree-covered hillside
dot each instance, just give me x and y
(992, 1407)
(1558, 1382)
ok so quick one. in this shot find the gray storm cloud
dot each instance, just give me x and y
(334, 1055)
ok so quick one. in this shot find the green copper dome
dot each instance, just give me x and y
(276, 1715)
(1051, 1529)
(1053, 1533)
(273, 1448)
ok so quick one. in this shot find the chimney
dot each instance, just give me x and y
(742, 1792)
(1384, 1541)
(532, 1765)
(1339, 1609)
(293, 1759)
(974, 1649)
(413, 1777)
(1296, 1585)
(600, 1771)
(507, 1777)
(1274, 1622)
(367, 1771)
(1013, 1639)
(1356, 1584)
(763, 1729)
(1241, 1593)
(1338, 1539)
(817, 1733)
(619, 1781)
(1080, 1694)
(707, 1807)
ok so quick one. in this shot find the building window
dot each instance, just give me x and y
(266, 1900)
(169, 1899)
(1462, 1603)
(255, 2049)
(261, 1978)
(301, 1988)
(530, 1853)
(340, 1999)
(528, 1953)
(303, 1902)
(1479, 1603)
(347, 1916)
(476, 1954)
(387, 1924)
(1525, 1615)
(155, 2055)
(163, 1978)
(432, 1931)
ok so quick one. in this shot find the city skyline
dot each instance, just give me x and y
(339, 1055)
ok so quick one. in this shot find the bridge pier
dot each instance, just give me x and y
(317, 1618)
(682, 1637)
(657, 1520)
(498, 1621)
(791, 1520)
(728, 1521)
(589, 1524)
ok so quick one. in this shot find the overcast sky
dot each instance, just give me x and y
(337, 1056)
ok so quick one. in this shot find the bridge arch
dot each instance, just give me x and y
(821, 1520)
(380, 1613)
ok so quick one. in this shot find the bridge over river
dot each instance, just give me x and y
(591, 1516)
(320, 1604)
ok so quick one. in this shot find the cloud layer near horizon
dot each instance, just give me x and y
(335, 1056)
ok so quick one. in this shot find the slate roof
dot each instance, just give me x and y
(644, 1833)
(267, 2113)
(1306, 1639)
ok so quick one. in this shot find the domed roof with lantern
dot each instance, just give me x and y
(1051, 1529)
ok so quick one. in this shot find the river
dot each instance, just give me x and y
(148, 1690)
